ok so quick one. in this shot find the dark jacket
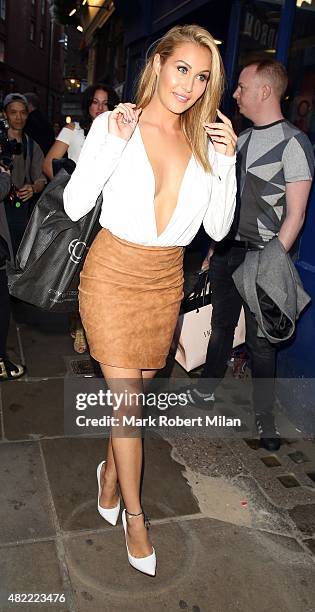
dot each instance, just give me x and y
(269, 283)
(39, 128)
(5, 185)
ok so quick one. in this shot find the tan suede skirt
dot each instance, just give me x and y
(129, 298)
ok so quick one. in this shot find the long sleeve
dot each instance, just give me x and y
(98, 159)
(220, 212)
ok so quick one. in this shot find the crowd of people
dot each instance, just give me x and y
(33, 146)
(166, 164)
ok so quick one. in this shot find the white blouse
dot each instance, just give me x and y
(122, 171)
(74, 139)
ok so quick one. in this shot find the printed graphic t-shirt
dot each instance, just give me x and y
(269, 157)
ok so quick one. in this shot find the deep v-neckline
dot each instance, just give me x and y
(154, 184)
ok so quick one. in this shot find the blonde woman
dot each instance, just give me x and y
(165, 167)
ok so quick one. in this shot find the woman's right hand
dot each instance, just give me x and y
(123, 120)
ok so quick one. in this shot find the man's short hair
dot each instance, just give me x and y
(275, 72)
(32, 98)
(14, 97)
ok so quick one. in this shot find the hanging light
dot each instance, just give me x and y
(79, 27)
(72, 84)
(72, 12)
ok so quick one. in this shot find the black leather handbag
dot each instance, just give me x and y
(52, 252)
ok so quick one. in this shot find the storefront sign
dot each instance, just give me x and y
(260, 31)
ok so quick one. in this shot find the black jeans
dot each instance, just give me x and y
(227, 303)
(18, 219)
(4, 312)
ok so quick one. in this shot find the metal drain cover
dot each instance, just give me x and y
(81, 367)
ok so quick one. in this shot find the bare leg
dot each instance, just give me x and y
(127, 455)
(109, 496)
(147, 376)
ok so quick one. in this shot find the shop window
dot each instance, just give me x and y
(300, 102)
(258, 41)
(2, 50)
(43, 7)
(41, 39)
(2, 9)
(259, 30)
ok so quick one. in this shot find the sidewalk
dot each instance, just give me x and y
(233, 525)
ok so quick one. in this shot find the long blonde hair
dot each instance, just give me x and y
(205, 109)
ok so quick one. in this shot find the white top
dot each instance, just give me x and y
(121, 169)
(74, 139)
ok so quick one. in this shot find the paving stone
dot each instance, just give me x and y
(33, 317)
(298, 457)
(30, 568)
(253, 443)
(24, 505)
(73, 481)
(44, 351)
(311, 544)
(209, 457)
(203, 565)
(289, 481)
(264, 515)
(271, 461)
(269, 479)
(33, 408)
(12, 343)
(304, 518)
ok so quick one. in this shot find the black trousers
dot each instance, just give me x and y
(18, 219)
(227, 303)
(4, 312)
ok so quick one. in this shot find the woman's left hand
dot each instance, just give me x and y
(222, 135)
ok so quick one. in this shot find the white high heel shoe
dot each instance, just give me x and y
(109, 514)
(146, 565)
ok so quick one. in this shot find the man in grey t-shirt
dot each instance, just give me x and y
(275, 167)
(270, 157)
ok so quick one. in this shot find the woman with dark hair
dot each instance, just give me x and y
(90, 101)
(97, 99)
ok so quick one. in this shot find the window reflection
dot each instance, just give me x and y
(300, 104)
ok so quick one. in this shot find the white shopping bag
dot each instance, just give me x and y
(192, 335)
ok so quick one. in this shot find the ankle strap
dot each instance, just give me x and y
(146, 517)
(131, 513)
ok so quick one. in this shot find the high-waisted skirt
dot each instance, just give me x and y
(129, 297)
